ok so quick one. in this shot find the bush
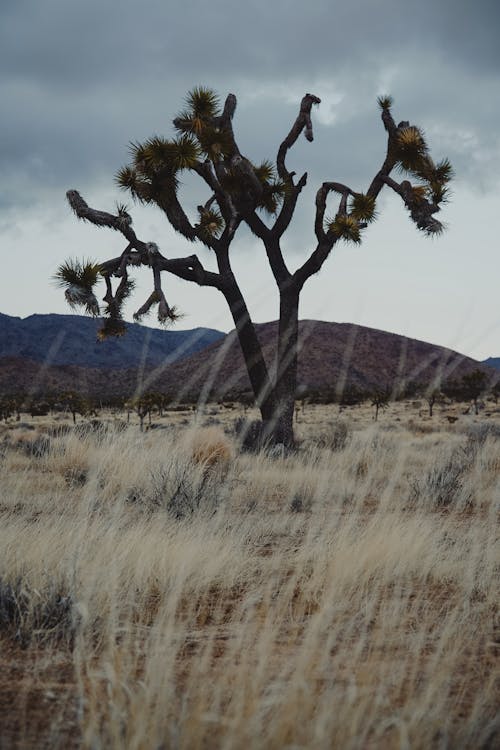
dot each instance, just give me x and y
(337, 437)
(182, 490)
(39, 447)
(28, 614)
(444, 484)
(477, 434)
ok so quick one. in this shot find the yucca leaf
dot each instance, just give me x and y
(137, 152)
(125, 178)
(111, 326)
(211, 223)
(168, 315)
(443, 171)
(78, 279)
(438, 192)
(124, 290)
(265, 172)
(411, 150)
(78, 296)
(146, 307)
(139, 187)
(185, 152)
(420, 192)
(215, 142)
(185, 122)
(73, 272)
(155, 152)
(345, 227)
(202, 102)
(272, 196)
(362, 207)
(385, 102)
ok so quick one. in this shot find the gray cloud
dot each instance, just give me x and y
(79, 80)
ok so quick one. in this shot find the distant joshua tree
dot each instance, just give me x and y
(75, 403)
(380, 400)
(432, 397)
(241, 192)
(474, 385)
(469, 388)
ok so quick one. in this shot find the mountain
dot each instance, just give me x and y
(332, 356)
(72, 340)
(492, 362)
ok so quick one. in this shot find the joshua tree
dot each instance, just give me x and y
(380, 400)
(75, 403)
(474, 384)
(262, 196)
(432, 396)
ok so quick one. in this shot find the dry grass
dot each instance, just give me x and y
(160, 590)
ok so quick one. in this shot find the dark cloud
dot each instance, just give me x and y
(80, 80)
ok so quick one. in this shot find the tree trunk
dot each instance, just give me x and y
(286, 367)
(276, 403)
(251, 349)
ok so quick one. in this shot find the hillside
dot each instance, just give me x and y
(332, 356)
(72, 340)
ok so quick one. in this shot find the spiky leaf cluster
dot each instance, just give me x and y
(152, 176)
(411, 149)
(78, 280)
(199, 120)
(113, 323)
(385, 102)
(168, 315)
(153, 298)
(210, 225)
(413, 156)
(273, 189)
(202, 106)
(214, 142)
(346, 227)
(80, 273)
(363, 207)
(111, 327)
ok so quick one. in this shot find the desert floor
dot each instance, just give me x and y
(164, 589)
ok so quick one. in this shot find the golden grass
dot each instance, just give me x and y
(160, 590)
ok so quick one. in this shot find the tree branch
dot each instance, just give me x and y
(146, 253)
(206, 172)
(121, 223)
(315, 261)
(288, 207)
(302, 123)
(321, 196)
(421, 210)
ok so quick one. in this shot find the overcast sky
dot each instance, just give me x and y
(80, 80)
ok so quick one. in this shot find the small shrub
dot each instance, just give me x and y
(210, 448)
(181, 490)
(444, 484)
(193, 479)
(39, 447)
(477, 434)
(337, 437)
(301, 502)
(27, 614)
